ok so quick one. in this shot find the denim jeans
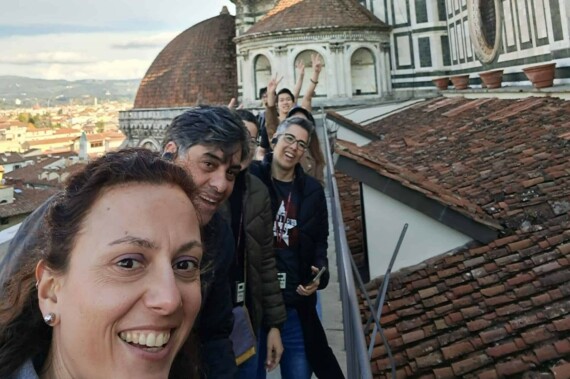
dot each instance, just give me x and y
(294, 363)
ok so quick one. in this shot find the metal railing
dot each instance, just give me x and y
(357, 360)
(358, 354)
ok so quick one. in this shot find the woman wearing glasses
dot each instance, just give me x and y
(300, 231)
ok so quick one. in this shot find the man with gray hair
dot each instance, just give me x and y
(210, 143)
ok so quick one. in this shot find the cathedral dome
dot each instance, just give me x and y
(291, 15)
(196, 67)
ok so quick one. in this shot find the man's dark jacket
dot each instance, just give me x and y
(264, 299)
(216, 320)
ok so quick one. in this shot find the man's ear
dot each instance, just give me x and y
(171, 148)
(48, 285)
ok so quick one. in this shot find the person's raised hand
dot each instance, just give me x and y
(317, 63)
(300, 66)
(273, 83)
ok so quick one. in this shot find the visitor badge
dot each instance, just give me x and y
(240, 292)
(282, 276)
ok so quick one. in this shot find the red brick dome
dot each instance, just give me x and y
(196, 67)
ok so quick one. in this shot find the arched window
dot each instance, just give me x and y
(321, 89)
(150, 145)
(262, 69)
(363, 73)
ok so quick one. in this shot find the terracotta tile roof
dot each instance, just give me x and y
(26, 201)
(49, 141)
(489, 311)
(67, 131)
(414, 181)
(9, 124)
(499, 160)
(11, 157)
(307, 14)
(197, 67)
(31, 174)
(486, 311)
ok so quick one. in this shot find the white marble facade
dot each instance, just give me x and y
(428, 39)
(356, 65)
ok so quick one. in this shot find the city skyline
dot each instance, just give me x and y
(108, 40)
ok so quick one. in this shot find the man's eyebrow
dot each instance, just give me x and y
(224, 159)
(136, 241)
(213, 156)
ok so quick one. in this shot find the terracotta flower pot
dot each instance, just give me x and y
(460, 81)
(541, 76)
(441, 83)
(492, 79)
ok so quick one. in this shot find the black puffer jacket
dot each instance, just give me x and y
(263, 296)
(312, 219)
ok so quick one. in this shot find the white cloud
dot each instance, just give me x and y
(86, 56)
(72, 46)
(48, 57)
(112, 69)
(145, 42)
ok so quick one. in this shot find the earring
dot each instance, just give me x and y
(49, 318)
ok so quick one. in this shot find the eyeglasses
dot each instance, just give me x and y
(290, 140)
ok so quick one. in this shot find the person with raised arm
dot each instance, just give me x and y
(287, 95)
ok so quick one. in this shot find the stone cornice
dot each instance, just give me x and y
(328, 36)
(307, 33)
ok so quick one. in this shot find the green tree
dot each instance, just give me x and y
(24, 117)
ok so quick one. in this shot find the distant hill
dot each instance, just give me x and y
(18, 91)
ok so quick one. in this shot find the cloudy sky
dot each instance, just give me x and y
(88, 39)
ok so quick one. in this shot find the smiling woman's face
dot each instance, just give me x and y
(131, 292)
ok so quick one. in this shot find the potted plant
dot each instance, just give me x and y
(441, 83)
(492, 79)
(541, 76)
(460, 81)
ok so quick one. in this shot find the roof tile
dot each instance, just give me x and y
(546, 352)
(536, 335)
(444, 373)
(562, 370)
(488, 374)
(562, 325)
(467, 365)
(429, 360)
(563, 346)
(478, 324)
(512, 367)
(457, 349)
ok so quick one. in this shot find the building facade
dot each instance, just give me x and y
(373, 51)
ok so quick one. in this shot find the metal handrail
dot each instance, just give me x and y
(358, 355)
(358, 362)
